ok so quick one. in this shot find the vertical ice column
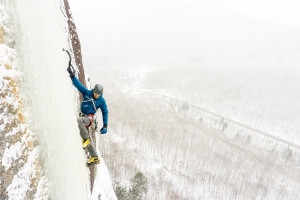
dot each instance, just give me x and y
(49, 95)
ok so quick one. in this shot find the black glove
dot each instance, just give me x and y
(72, 75)
(103, 129)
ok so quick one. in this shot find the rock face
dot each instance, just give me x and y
(74, 40)
(20, 172)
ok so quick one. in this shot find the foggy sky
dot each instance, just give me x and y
(187, 33)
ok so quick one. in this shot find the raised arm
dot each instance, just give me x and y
(79, 86)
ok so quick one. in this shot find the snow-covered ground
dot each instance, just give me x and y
(195, 154)
(264, 99)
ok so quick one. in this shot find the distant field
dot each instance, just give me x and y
(188, 154)
(263, 99)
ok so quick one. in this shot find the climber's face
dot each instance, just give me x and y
(96, 96)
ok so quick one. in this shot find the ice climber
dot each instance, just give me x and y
(92, 100)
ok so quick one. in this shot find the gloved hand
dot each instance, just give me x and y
(103, 129)
(72, 75)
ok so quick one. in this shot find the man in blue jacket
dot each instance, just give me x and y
(92, 100)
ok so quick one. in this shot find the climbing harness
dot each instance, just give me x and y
(90, 116)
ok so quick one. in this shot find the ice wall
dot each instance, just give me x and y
(49, 95)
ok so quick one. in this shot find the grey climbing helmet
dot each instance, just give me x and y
(98, 89)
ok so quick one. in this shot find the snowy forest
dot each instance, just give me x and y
(203, 99)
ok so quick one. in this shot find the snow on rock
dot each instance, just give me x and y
(11, 154)
(103, 185)
(19, 168)
(22, 181)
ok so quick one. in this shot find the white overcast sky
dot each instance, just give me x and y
(188, 32)
(276, 11)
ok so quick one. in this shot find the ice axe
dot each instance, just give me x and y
(70, 67)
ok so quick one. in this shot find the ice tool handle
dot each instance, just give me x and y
(70, 67)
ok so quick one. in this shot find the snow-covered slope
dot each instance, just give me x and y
(42, 157)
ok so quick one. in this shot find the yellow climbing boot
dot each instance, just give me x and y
(86, 143)
(94, 161)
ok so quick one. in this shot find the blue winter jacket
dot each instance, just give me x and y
(89, 104)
